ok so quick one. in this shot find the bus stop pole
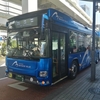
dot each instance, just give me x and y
(93, 65)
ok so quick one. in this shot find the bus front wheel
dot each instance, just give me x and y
(74, 70)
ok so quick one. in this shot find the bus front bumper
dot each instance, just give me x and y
(29, 79)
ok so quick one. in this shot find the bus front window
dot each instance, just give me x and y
(27, 43)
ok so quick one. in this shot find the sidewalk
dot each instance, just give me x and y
(81, 88)
(2, 61)
(2, 57)
(3, 65)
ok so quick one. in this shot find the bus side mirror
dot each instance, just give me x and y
(42, 35)
(44, 25)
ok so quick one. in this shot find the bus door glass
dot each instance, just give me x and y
(55, 54)
(62, 55)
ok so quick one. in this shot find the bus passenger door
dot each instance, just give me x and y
(55, 56)
(58, 56)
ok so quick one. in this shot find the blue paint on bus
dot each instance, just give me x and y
(30, 68)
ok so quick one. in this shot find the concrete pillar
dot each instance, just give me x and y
(29, 5)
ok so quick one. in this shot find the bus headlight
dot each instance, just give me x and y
(43, 73)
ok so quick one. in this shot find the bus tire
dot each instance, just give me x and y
(74, 70)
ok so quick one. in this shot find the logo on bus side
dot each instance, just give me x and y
(58, 17)
(16, 64)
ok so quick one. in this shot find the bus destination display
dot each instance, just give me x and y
(23, 23)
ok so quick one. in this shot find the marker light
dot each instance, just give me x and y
(43, 82)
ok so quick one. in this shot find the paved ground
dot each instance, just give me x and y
(2, 67)
(14, 90)
(2, 60)
(2, 72)
(81, 89)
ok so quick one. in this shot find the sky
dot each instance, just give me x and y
(90, 5)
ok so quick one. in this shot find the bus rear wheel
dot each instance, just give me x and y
(74, 70)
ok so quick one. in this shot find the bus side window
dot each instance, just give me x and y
(81, 48)
(74, 49)
(71, 50)
(73, 42)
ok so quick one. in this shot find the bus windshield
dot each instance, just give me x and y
(27, 44)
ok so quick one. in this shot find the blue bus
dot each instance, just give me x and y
(46, 46)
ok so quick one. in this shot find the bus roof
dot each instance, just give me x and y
(58, 18)
(64, 20)
(28, 15)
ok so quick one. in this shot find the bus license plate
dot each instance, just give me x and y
(19, 77)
